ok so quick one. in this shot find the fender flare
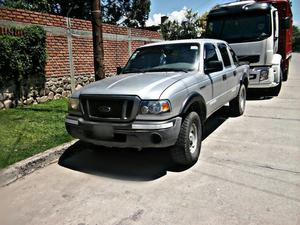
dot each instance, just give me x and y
(244, 79)
(192, 99)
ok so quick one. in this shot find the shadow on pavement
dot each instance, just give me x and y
(257, 95)
(129, 164)
(258, 98)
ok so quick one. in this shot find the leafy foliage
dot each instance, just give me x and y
(296, 39)
(23, 60)
(38, 5)
(131, 13)
(192, 27)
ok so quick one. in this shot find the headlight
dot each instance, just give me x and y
(155, 107)
(264, 75)
(74, 106)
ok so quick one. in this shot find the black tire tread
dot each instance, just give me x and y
(275, 90)
(234, 105)
(179, 155)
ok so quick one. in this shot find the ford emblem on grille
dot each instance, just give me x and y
(104, 109)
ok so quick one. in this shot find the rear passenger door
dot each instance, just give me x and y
(234, 81)
(229, 72)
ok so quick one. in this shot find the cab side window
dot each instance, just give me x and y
(210, 53)
(224, 53)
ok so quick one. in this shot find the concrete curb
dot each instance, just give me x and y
(27, 166)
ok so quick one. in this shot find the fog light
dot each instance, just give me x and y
(156, 138)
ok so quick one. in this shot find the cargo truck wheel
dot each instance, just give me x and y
(238, 104)
(286, 74)
(187, 148)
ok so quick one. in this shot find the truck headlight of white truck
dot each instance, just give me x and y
(264, 74)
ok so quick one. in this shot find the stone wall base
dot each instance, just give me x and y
(54, 88)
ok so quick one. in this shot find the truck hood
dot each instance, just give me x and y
(145, 85)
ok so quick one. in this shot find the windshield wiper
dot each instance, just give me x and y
(133, 71)
(166, 70)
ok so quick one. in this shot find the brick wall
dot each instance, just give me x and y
(119, 42)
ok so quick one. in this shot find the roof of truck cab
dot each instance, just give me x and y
(239, 7)
(185, 41)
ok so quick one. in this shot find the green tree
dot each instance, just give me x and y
(23, 61)
(37, 5)
(191, 27)
(296, 39)
(139, 13)
(131, 13)
(111, 11)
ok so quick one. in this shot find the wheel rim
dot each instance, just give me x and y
(242, 98)
(193, 138)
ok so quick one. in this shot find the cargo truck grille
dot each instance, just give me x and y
(109, 108)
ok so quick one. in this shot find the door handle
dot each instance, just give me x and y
(224, 77)
(202, 87)
(234, 73)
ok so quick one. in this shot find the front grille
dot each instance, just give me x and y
(109, 108)
(249, 58)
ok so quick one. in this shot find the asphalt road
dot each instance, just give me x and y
(248, 173)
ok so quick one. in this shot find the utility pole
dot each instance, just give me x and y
(70, 50)
(97, 40)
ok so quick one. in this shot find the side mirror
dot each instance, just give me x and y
(119, 70)
(286, 23)
(213, 66)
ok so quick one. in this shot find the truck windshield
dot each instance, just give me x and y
(240, 28)
(169, 57)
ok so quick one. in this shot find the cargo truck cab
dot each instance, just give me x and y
(259, 32)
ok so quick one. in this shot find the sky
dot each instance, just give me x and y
(175, 9)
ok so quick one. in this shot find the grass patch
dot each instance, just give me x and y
(27, 131)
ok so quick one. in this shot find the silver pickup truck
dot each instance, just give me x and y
(161, 98)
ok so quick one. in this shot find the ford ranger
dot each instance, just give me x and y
(161, 98)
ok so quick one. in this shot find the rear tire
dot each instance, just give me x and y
(238, 104)
(186, 151)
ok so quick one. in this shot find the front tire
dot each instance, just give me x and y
(186, 151)
(238, 104)
(276, 90)
(286, 73)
